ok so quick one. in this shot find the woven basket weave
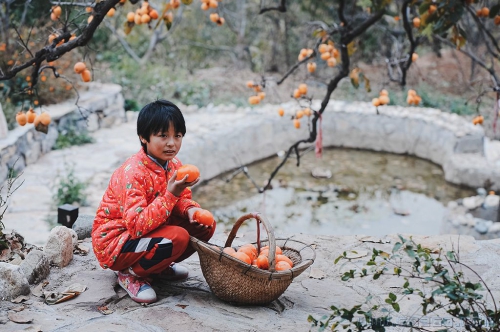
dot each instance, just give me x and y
(234, 281)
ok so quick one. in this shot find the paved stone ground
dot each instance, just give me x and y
(190, 306)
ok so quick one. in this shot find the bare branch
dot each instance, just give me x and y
(53, 52)
(473, 57)
(481, 26)
(122, 41)
(413, 41)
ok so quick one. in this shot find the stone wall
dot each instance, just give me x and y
(100, 106)
(241, 136)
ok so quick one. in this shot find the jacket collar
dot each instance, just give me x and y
(152, 164)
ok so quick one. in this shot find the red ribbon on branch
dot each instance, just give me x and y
(319, 139)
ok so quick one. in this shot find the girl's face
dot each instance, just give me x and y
(164, 146)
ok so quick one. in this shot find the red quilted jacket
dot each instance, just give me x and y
(135, 203)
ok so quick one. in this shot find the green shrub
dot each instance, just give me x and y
(434, 276)
(72, 137)
(69, 189)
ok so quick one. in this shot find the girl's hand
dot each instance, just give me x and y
(177, 187)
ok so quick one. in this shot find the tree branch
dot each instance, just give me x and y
(124, 43)
(473, 57)
(53, 52)
(483, 28)
(413, 42)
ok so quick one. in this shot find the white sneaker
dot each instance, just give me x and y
(174, 272)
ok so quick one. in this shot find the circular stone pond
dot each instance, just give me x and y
(368, 193)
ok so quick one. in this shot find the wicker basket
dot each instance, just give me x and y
(237, 282)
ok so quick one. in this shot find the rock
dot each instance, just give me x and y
(13, 282)
(83, 226)
(491, 201)
(482, 225)
(472, 202)
(481, 192)
(35, 266)
(495, 228)
(59, 247)
(74, 238)
(320, 173)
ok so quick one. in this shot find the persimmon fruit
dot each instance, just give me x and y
(31, 115)
(263, 262)
(282, 266)
(86, 75)
(283, 258)
(21, 118)
(203, 217)
(242, 257)
(190, 170)
(79, 67)
(45, 118)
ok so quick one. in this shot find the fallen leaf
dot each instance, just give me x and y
(69, 293)
(75, 288)
(105, 310)
(371, 239)
(401, 212)
(317, 274)
(20, 318)
(356, 254)
(38, 290)
(183, 306)
(18, 309)
(81, 249)
(20, 299)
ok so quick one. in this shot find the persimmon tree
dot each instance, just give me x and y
(36, 35)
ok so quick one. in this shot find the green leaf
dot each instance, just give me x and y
(392, 296)
(384, 254)
(337, 259)
(410, 253)
(367, 84)
(424, 7)
(494, 10)
(397, 246)
(395, 306)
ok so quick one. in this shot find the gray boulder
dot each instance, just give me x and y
(83, 226)
(13, 282)
(35, 266)
(59, 247)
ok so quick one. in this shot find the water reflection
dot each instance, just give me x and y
(369, 193)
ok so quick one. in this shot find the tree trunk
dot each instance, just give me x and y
(4, 130)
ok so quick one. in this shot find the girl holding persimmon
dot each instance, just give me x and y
(146, 216)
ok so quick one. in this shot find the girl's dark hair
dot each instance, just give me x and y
(156, 117)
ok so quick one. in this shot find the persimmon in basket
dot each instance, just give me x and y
(203, 217)
(190, 170)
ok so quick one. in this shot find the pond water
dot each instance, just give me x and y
(368, 193)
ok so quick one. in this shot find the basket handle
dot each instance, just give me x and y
(269, 230)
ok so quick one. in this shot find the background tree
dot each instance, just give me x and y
(331, 39)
